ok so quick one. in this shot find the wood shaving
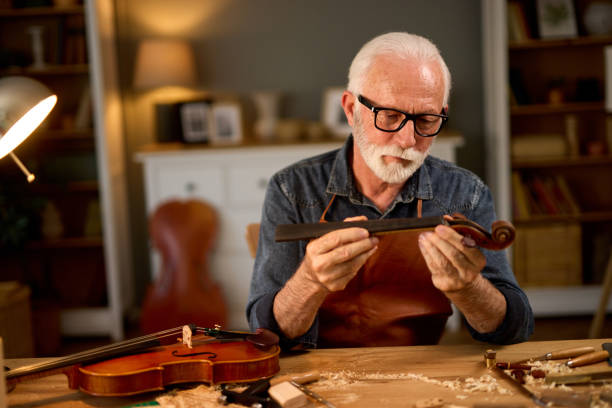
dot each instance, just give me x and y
(485, 383)
(202, 396)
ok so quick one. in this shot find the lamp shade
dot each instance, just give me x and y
(24, 104)
(164, 62)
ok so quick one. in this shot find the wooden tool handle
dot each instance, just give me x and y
(300, 378)
(589, 358)
(569, 353)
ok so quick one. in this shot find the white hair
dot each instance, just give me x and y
(403, 45)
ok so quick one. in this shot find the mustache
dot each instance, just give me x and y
(396, 151)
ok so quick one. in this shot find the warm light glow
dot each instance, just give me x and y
(23, 127)
(175, 18)
(164, 62)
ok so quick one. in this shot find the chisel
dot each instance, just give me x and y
(559, 354)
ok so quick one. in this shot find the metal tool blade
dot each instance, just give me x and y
(313, 395)
(520, 387)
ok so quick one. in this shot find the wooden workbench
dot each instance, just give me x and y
(357, 377)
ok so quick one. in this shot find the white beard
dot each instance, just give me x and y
(391, 173)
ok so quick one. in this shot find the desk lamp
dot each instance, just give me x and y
(24, 104)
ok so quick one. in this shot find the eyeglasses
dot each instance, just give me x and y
(392, 120)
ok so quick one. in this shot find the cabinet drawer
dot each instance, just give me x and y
(182, 183)
(249, 185)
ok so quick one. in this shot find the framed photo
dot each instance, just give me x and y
(226, 123)
(332, 114)
(196, 121)
(556, 19)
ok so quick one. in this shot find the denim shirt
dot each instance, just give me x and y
(300, 193)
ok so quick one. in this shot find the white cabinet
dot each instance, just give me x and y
(233, 180)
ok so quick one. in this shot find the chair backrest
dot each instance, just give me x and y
(252, 237)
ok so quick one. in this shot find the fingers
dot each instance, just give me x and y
(453, 265)
(336, 239)
(357, 218)
(460, 250)
(334, 259)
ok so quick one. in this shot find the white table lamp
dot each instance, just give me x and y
(24, 104)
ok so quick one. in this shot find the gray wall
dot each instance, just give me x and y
(298, 47)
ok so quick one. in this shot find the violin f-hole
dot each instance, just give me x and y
(212, 355)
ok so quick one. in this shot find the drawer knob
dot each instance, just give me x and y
(190, 187)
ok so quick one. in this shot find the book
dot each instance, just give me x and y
(567, 193)
(543, 196)
(535, 206)
(531, 146)
(521, 202)
(518, 29)
(571, 134)
(517, 84)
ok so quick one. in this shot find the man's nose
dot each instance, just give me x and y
(406, 135)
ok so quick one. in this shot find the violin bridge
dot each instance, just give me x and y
(186, 336)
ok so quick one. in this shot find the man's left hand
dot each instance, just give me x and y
(453, 265)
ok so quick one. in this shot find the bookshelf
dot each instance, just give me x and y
(560, 94)
(80, 267)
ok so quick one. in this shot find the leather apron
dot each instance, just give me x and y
(390, 302)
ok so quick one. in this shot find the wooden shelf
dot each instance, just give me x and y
(569, 161)
(65, 69)
(66, 243)
(62, 135)
(41, 11)
(591, 216)
(573, 42)
(549, 109)
(89, 186)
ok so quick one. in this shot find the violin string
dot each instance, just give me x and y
(76, 357)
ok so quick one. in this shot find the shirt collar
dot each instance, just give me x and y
(342, 181)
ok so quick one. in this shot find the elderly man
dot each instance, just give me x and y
(341, 289)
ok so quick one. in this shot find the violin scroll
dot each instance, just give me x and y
(502, 233)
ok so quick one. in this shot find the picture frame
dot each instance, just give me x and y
(556, 19)
(226, 123)
(332, 113)
(196, 121)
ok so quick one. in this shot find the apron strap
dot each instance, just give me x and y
(322, 219)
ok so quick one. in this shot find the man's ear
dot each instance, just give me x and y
(348, 104)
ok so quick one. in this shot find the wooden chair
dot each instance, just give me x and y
(252, 237)
(600, 314)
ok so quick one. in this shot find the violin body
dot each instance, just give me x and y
(153, 370)
(241, 357)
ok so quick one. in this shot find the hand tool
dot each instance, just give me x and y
(520, 388)
(256, 394)
(579, 378)
(559, 354)
(593, 357)
(300, 378)
(313, 395)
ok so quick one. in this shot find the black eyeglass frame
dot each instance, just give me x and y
(408, 116)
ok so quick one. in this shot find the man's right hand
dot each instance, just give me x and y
(334, 259)
(330, 263)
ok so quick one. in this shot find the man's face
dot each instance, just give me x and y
(407, 85)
